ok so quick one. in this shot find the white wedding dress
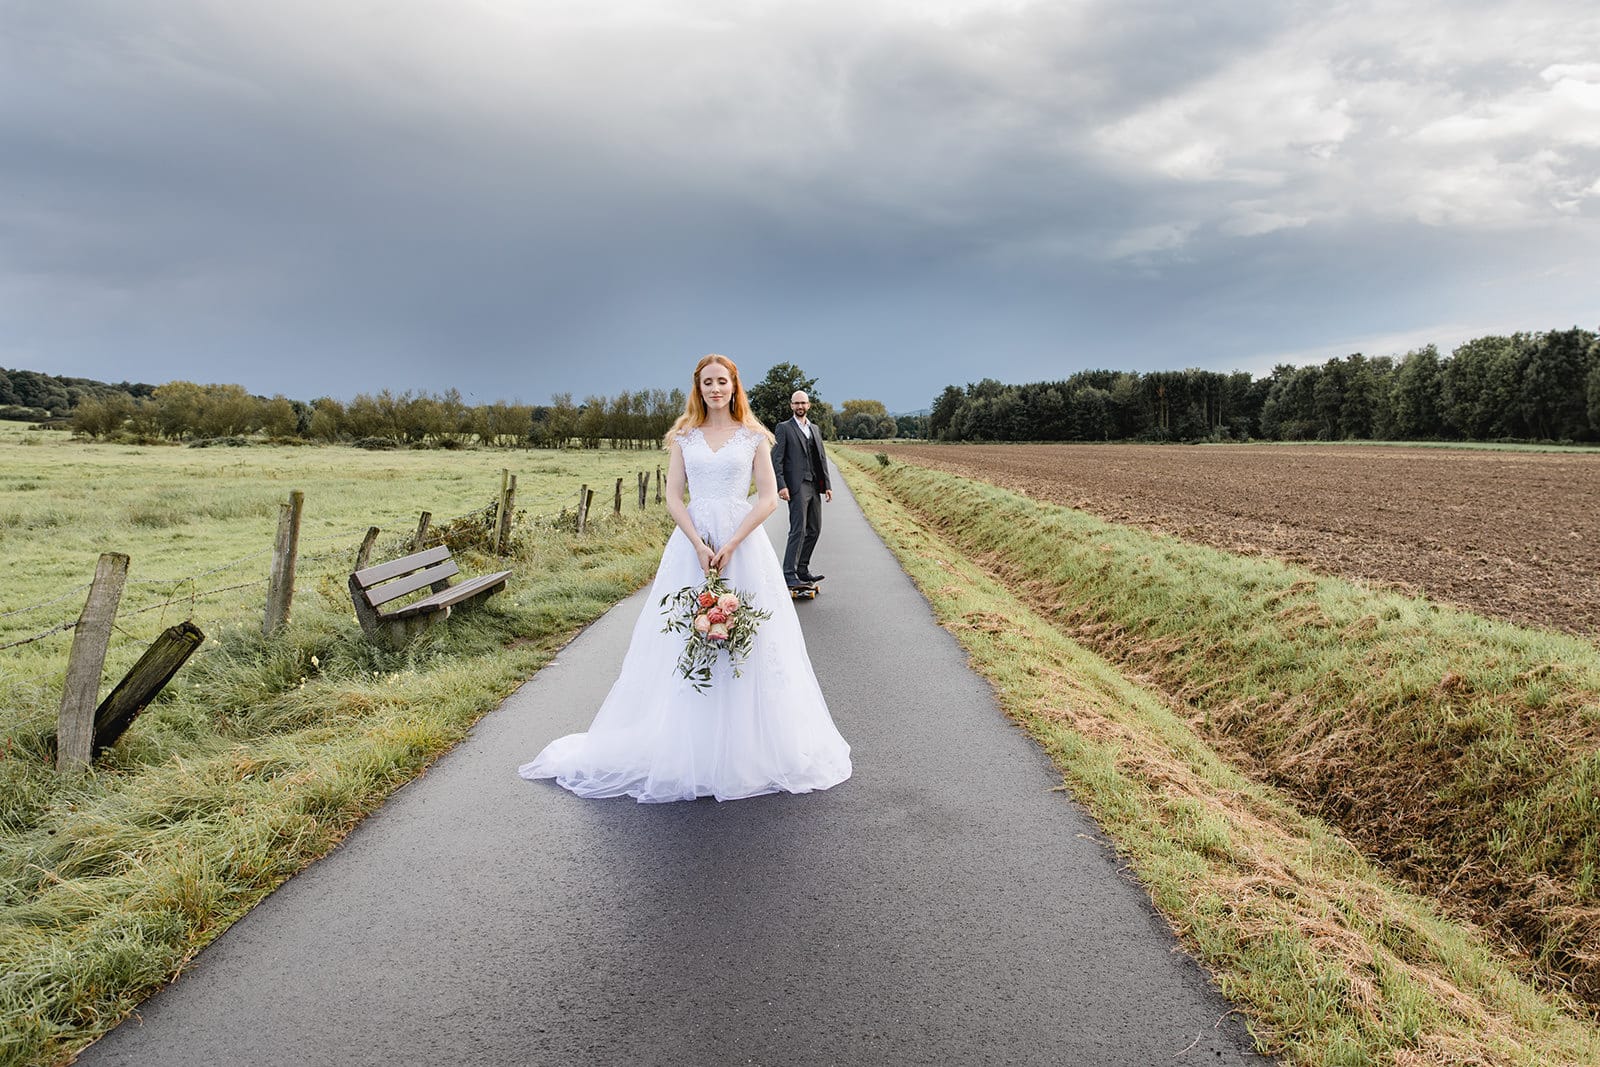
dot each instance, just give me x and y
(655, 738)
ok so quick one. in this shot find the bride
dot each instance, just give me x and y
(656, 738)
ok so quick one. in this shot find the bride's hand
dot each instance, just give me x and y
(703, 550)
(722, 556)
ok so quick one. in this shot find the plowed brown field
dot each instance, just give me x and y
(1514, 535)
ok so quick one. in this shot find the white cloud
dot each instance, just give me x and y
(1254, 124)
(1148, 241)
(1254, 218)
(1441, 115)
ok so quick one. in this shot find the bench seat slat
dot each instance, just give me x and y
(378, 595)
(370, 576)
(455, 594)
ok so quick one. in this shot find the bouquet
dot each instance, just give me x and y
(715, 617)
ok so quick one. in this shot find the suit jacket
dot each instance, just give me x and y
(789, 456)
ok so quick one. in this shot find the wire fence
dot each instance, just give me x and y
(304, 563)
(40, 637)
(176, 595)
(46, 603)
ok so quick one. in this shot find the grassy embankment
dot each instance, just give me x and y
(262, 754)
(1457, 750)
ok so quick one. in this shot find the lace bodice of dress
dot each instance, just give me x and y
(722, 475)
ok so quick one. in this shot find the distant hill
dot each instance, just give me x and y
(919, 411)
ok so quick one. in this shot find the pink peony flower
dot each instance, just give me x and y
(716, 616)
(727, 603)
(718, 631)
(701, 623)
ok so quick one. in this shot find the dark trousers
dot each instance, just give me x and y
(805, 526)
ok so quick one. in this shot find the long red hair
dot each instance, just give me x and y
(694, 410)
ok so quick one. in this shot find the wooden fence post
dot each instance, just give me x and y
(280, 587)
(81, 692)
(140, 685)
(508, 504)
(584, 496)
(364, 553)
(617, 508)
(658, 485)
(644, 484)
(500, 511)
(421, 539)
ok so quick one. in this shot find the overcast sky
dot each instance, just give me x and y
(519, 197)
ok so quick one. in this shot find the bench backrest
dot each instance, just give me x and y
(393, 580)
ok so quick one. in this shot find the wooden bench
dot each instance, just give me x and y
(373, 587)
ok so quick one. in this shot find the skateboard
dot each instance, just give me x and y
(803, 592)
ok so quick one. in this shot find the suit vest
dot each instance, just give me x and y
(809, 451)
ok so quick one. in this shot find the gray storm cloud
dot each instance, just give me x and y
(521, 198)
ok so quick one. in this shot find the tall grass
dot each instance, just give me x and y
(262, 753)
(1334, 962)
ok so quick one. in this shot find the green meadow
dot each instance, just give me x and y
(262, 753)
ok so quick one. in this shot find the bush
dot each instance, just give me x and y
(376, 444)
(18, 413)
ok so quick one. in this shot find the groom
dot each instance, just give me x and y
(802, 470)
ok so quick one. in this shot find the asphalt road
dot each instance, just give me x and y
(944, 906)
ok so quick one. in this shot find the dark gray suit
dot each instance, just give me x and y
(802, 468)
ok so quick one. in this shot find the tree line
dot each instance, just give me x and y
(1526, 386)
(182, 411)
(185, 411)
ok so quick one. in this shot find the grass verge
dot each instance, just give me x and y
(257, 761)
(1335, 962)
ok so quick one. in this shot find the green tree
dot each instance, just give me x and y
(866, 420)
(371, 416)
(1593, 390)
(769, 398)
(1091, 414)
(1046, 412)
(278, 417)
(561, 423)
(913, 426)
(178, 408)
(665, 407)
(1366, 385)
(455, 421)
(227, 411)
(862, 407)
(1129, 417)
(142, 419)
(945, 415)
(102, 417)
(1414, 396)
(1287, 412)
(1479, 388)
(327, 419)
(1551, 396)
(591, 427)
(822, 417)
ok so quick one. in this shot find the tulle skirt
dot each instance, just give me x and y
(655, 738)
